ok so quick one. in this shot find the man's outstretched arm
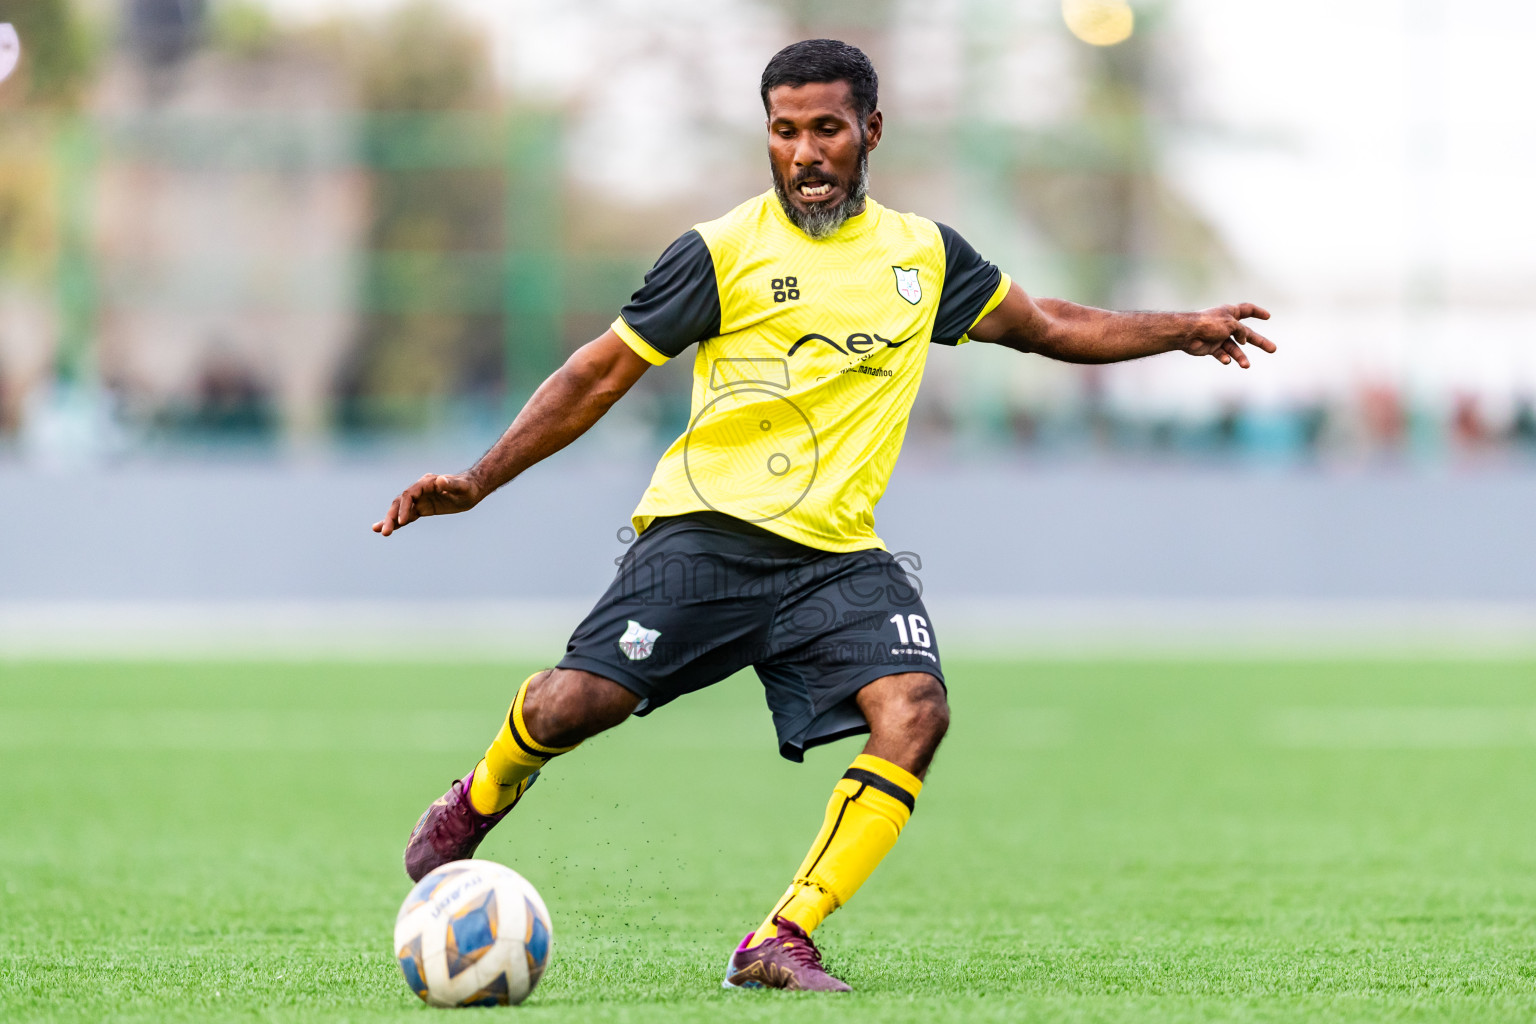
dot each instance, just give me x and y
(565, 406)
(1081, 334)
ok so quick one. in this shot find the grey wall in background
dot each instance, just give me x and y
(261, 531)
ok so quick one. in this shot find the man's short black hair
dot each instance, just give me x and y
(825, 60)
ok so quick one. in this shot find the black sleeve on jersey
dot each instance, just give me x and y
(969, 282)
(679, 303)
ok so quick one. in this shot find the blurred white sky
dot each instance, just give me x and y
(1393, 204)
(1371, 162)
(1407, 125)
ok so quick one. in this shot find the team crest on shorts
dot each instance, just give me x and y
(637, 643)
(907, 286)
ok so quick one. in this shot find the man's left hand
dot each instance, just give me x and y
(1220, 332)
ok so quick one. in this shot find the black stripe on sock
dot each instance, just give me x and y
(830, 836)
(883, 784)
(518, 737)
(774, 917)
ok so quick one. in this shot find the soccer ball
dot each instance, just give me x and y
(473, 933)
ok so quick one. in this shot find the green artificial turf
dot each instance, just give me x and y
(1114, 841)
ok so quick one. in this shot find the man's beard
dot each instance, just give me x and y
(821, 219)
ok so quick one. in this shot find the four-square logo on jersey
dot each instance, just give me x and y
(785, 289)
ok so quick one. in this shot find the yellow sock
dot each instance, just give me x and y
(510, 762)
(869, 807)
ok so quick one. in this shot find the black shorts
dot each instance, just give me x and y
(701, 596)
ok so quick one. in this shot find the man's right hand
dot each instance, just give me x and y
(570, 401)
(433, 495)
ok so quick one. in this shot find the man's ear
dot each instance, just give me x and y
(873, 128)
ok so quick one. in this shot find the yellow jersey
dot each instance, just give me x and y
(809, 357)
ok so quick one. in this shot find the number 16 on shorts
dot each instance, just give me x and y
(913, 630)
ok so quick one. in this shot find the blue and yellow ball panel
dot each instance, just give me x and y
(428, 886)
(535, 944)
(411, 966)
(497, 993)
(471, 934)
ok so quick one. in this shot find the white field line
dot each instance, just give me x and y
(234, 730)
(1030, 728)
(242, 730)
(1403, 728)
(966, 627)
(176, 730)
(297, 630)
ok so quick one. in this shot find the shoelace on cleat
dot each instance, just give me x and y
(456, 796)
(803, 952)
(478, 823)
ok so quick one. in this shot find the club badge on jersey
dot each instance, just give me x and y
(637, 643)
(907, 285)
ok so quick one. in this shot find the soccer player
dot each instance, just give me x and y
(812, 308)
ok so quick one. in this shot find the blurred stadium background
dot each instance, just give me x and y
(1242, 662)
(263, 262)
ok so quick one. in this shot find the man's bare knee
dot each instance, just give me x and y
(923, 714)
(565, 706)
(908, 716)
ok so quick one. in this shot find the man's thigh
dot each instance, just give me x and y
(689, 607)
(856, 619)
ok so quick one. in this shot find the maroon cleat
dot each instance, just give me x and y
(451, 829)
(790, 960)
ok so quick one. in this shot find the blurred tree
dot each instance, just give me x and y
(43, 155)
(412, 358)
(244, 28)
(421, 57)
(56, 63)
(1108, 206)
(57, 54)
(1114, 214)
(1094, 186)
(842, 19)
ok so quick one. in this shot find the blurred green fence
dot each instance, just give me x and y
(501, 256)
